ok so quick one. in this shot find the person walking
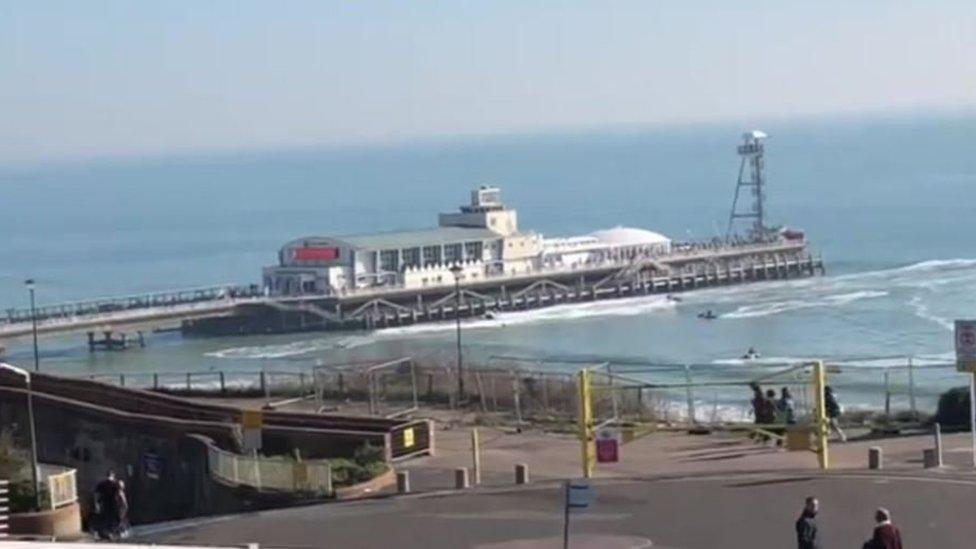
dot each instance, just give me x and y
(757, 407)
(886, 534)
(785, 407)
(833, 410)
(109, 500)
(807, 534)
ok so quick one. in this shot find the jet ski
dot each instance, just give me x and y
(676, 299)
(707, 315)
(751, 354)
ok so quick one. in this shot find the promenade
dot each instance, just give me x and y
(672, 490)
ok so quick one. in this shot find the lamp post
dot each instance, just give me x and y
(37, 357)
(456, 271)
(33, 435)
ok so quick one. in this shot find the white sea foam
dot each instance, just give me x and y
(776, 307)
(294, 348)
(922, 311)
(569, 311)
(766, 361)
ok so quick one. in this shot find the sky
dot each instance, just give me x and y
(105, 79)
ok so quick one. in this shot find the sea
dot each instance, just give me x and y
(889, 202)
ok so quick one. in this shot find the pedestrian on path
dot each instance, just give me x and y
(886, 534)
(785, 407)
(109, 500)
(833, 410)
(807, 535)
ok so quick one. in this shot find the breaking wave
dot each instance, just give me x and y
(776, 307)
(294, 348)
(570, 311)
(922, 311)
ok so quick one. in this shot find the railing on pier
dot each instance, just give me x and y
(132, 302)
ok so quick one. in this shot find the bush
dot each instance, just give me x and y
(367, 462)
(15, 466)
(954, 408)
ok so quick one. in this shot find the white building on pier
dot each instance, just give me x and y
(482, 238)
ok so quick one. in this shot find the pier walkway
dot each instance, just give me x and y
(134, 312)
(239, 309)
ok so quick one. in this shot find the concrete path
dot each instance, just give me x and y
(754, 511)
(557, 456)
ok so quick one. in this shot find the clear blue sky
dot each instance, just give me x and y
(81, 79)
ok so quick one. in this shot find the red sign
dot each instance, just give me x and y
(607, 447)
(316, 254)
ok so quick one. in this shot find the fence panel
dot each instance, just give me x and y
(267, 473)
(63, 488)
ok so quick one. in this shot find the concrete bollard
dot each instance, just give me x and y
(875, 458)
(403, 482)
(930, 459)
(461, 478)
(521, 473)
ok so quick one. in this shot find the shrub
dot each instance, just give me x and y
(367, 462)
(953, 408)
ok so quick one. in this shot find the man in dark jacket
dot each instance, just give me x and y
(832, 409)
(807, 536)
(886, 534)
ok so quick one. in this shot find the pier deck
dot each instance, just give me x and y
(226, 310)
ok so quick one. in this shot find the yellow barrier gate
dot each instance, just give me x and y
(796, 437)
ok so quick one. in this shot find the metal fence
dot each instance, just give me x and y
(271, 473)
(214, 382)
(527, 388)
(4, 508)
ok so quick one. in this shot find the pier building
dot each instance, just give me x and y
(482, 238)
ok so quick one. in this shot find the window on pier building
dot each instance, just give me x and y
(432, 255)
(473, 250)
(411, 257)
(389, 260)
(452, 253)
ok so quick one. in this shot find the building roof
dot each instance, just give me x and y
(628, 236)
(409, 239)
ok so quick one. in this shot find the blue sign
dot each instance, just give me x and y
(152, 465)
(578, 494)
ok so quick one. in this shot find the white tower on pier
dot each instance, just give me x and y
(751, 181)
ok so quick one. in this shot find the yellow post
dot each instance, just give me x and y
(588, 452)
(820, 414)
(476, 455)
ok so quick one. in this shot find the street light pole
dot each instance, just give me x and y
(33, 434)
(456, 271)
(37, 357)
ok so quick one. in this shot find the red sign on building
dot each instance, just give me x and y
(316, 254)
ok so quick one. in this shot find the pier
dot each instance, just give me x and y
(390, 307)
(239, 310)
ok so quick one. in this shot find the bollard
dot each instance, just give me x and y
(475, 456)
(875, 458)
(937, 431)
(929, 458)
(403, 482)
(521, 473)
(461, 478)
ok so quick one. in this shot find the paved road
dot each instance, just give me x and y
(746, 511)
